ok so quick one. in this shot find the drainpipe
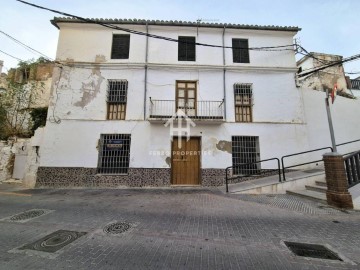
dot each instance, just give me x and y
(224, 71)
(146, 68)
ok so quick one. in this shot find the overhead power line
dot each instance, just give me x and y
(309, 54)
(11, 56)
(348, 59)
(357, 72)
(112, 26)
(25, 46)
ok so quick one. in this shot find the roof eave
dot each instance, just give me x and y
(57, 20)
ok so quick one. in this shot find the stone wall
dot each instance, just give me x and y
(6, 161)
(58, 177)
(30, 148)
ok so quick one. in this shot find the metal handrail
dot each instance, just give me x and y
(306, 152)
(348, 142)
(352, 166)
(199, 110)
(222, 102)
(300, 153)
(244, 164)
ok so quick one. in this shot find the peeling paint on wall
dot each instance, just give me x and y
(225, 146)
(91, 88)
(69, 61)
(97, 144)
(100, 58)
(168, 161)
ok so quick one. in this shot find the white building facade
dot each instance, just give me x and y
(116, 90)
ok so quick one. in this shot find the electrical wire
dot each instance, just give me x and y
(357, 72)
(348, 59)
(25, 46)
(326, 63)
(12, 56)
(112, 26)
(312, 55)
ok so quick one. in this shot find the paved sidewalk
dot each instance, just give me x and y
(172, 229)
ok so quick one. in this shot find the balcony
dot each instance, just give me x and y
(204, 111)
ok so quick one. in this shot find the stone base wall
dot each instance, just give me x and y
(61, 177)
(212, 177)
(87, 177)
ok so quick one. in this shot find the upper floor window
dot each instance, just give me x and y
(116, 99)
(120, 47)
(186, 48)
(243, 102)
(240, 50)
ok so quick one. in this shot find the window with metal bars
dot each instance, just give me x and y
(186, 48)
(243, 102)
(116, 99)
(240, 50)
(245, 149)
(120, 46)
(114, 153)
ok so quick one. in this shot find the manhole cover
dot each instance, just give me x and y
(27, 215)
(54, 241)
(117, 228)
(312, 251)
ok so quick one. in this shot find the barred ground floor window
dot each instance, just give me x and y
(245, 149)
(114, 154)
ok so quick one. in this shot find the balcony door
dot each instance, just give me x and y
(186, 97)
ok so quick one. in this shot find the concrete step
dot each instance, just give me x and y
(316, 188)
(320, 183)
(309, 194)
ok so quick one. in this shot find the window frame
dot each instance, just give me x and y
(245, 156)
(242, 55)
(123, 55)
(244, 106)
(184, 41)
(189, 111)
(116, 105)
(111, 156)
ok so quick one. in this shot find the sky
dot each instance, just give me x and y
(328, 26)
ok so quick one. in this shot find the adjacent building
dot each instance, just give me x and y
(354, 86)
(325, 79)
(159, 103)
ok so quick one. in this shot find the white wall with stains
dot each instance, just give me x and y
(74, 143)
(345, 118)
(83, 42)
(79, 95)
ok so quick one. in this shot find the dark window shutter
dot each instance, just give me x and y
(120, 47)
(240, 48)
(186, 49)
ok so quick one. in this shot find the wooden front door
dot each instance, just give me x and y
(185, 162)
(186, 97)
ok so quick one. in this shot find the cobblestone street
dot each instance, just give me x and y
(171, 229)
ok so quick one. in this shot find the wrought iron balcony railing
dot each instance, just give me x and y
(199, 110)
